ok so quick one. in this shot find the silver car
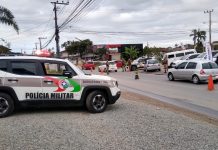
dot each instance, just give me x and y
(194, 70)
(151, 64)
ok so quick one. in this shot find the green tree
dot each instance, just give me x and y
(101, 52)
(78, 47)
(131, 52)
(198, 36)
(156, 52)
(4, 49)
(147, 51)
(194, 34)
(6, 17)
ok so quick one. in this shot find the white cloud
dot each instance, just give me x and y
(162, 23)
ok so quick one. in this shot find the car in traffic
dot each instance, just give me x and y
(194, 70)
(119, 63)
(88, 65)
(203, 56)
(176, 55)
(151, 65)
(112, 66)
(186, 57)
(138, 63)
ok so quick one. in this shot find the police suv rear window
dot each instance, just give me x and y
(3, 65)
(24, 68)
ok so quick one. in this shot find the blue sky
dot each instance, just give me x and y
(160, 23)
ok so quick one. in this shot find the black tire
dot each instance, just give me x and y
(170, 77)
(195, 79)
(133, 68)
(171, 65)
(6, 105)
(96, 102)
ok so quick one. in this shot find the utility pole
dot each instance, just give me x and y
(209, 11)
(56, 26)
(36, 45)
(40, 42)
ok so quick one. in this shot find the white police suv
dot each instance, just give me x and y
(37, 81)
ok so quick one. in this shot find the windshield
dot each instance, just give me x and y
(112, 63)
(184, 57)
(201, 55)
(214, 53)
(152, 61)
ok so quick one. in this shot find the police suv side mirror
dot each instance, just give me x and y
(67, 74)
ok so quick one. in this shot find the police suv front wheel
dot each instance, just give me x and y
(96, 102)
(6, 105)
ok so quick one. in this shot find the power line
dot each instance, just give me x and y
(76, 8)
(78, 13)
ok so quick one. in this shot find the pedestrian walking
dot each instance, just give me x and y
(129, 64)
(107, 67)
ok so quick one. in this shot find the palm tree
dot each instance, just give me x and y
(194, 34)
(198, 36)
(201, 35)
(6, 17)
(131, 52)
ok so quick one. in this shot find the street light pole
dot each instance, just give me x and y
(209, 12)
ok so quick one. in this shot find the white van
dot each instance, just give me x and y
(172, 56)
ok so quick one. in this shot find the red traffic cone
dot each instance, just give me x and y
(210, 83)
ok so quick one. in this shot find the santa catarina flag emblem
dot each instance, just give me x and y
(64, 83)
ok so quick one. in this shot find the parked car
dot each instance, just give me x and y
(112, 66)
(194, 70)
(88, 65)
(186, 57)
(119, 63)
(203, 56)
(138, 63)
(151, 65)
(172, 56)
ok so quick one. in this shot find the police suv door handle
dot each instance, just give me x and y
(48, 81)
(12, 80)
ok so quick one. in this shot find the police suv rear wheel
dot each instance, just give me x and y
(6, 105)
(96, 102)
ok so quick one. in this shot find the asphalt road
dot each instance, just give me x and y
(125, 125)
(180, 93)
